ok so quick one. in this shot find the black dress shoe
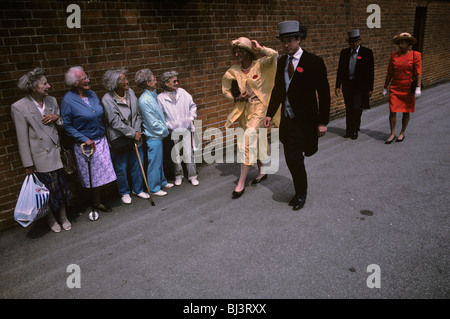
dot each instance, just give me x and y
(257, 181)
(235, 194)
(354, 136)
(296, 200)
(347, 135)
(300, 203)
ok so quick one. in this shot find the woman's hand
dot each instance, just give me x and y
(418, 92)
(50, 118)
(385, 92)
(90, 143)
(242, 97)
(256, 45)
(137, 136)
(29, 170)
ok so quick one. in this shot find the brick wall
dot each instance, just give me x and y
(191, 37)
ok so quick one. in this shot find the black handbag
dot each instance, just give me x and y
(122, 144)
(68, 161)
(235, 89)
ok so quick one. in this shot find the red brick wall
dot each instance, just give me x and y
(191, 37)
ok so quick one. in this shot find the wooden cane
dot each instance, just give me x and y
(143, 173)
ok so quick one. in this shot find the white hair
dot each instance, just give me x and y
(167, 76)
(142, 76)
(72, 76)
(29, 81)
(111, 77)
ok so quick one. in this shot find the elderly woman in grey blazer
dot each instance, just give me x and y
(37, 121)
(124, 122)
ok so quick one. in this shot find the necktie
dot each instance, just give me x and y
(291, 67)
(352, 64)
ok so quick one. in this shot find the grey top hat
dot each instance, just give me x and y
(289, 29)
(354, 35)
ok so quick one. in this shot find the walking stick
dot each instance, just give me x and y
(143, 173)
(93, 215)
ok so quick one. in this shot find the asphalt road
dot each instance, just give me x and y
(368, 204)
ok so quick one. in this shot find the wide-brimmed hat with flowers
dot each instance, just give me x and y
(243, 43)
(404, 36)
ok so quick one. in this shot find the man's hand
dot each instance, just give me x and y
(337, 91)
(321, 130)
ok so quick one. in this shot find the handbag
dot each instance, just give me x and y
(412, 89)
(32, 203)
(235, 92)
(68, 161)
(122, 144)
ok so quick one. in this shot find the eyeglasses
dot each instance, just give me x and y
(122, 80)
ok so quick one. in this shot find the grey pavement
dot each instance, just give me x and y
(368, 204)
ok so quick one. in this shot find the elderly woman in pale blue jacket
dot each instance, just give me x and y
(124, 119)
(154, 129)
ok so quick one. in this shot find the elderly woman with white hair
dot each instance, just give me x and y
(124, 130)
(83, 122)
(37, 121)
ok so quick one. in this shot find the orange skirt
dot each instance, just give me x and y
(400, 98)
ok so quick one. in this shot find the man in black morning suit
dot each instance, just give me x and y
(303, 119)
(355, 74)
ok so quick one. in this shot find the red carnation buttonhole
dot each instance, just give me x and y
(255, 76)
(359, 58)
(299, 69)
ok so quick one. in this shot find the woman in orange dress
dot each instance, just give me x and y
(405, 66)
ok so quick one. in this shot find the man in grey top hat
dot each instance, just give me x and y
(300, 76)
(355, 73)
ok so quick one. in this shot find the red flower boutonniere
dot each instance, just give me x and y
(300, 69)
(255, 76)
(359, 58)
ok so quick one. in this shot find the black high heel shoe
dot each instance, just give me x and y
(235, 194)
(257, 181)
(390, 141)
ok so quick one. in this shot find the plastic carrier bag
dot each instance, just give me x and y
(32, 203)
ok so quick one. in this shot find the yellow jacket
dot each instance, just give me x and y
(261, 79)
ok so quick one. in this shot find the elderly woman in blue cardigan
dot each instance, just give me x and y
(83, 121)
(154, 129)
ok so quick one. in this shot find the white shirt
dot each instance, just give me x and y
(40, 108)
(181, 113)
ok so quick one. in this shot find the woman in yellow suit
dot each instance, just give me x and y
(249, 84)
(405, 66)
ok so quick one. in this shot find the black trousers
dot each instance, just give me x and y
(293, 142)
(353, 99)
(168, 144)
